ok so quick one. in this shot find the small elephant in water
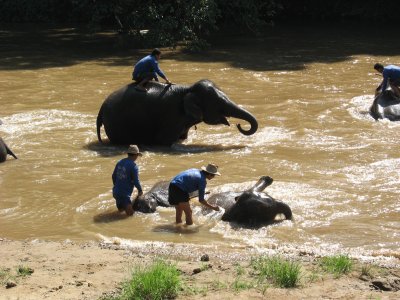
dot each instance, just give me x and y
(4, 150)
(386, 105)
(164, 114)
(251, 207)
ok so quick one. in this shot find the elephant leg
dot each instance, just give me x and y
(171, 133)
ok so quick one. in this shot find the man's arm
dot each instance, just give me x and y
(136, 182)
(158, 70)
(206, 204)
(384, 81)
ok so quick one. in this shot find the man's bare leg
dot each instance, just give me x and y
(129, 210)
(178, 214)
(185, 207)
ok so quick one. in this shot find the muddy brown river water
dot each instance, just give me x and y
(309, 88)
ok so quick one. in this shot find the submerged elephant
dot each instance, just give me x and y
(386, 105)
(157, 196)
(164, 114)
(4, 150)
(251, 207)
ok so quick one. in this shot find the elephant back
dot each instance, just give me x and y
(159, 192)
(224, 199)
(130, 116)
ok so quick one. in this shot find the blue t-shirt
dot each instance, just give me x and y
(125, 177)
(191, 180)
(389, 72)
(147, 64)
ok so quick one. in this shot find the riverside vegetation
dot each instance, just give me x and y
(164, 280)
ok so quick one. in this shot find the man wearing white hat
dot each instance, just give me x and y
(188, 182)
(125, 177)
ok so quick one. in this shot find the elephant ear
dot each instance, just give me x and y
(191, 107)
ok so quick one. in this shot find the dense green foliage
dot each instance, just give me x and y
(165, 23)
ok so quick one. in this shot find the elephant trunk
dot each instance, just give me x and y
(239, 113)
(285, 209)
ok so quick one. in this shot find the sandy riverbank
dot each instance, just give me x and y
(69, 270)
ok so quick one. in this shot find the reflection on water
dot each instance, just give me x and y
(335, 166)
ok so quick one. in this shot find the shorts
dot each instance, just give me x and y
(122, 201)
(144, 75)
(176, 195)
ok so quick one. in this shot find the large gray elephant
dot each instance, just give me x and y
(386, 105)
(250, 207)
(164, 114)
(4, 150)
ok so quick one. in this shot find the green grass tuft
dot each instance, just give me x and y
(283, 273)
(337, 265)
(158, 281)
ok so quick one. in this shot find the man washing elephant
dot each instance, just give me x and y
(188, 182)
(147, 69)
(125, 178)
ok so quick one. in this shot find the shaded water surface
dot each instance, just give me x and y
(309, 88)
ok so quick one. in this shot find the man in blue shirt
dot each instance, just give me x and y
(188, 182)
(391, 75)
(125, 177)
(147, 69)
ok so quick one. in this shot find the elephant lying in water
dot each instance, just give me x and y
(164, 114)
(251, 207)
(386, 105)
(4, 150)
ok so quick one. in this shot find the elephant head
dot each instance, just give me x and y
(256, 209)
(156, 196)
(145, 204)
(205, 102)
(251, 207)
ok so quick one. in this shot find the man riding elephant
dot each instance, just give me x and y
(391, 76)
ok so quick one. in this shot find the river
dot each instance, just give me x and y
(309, 87)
